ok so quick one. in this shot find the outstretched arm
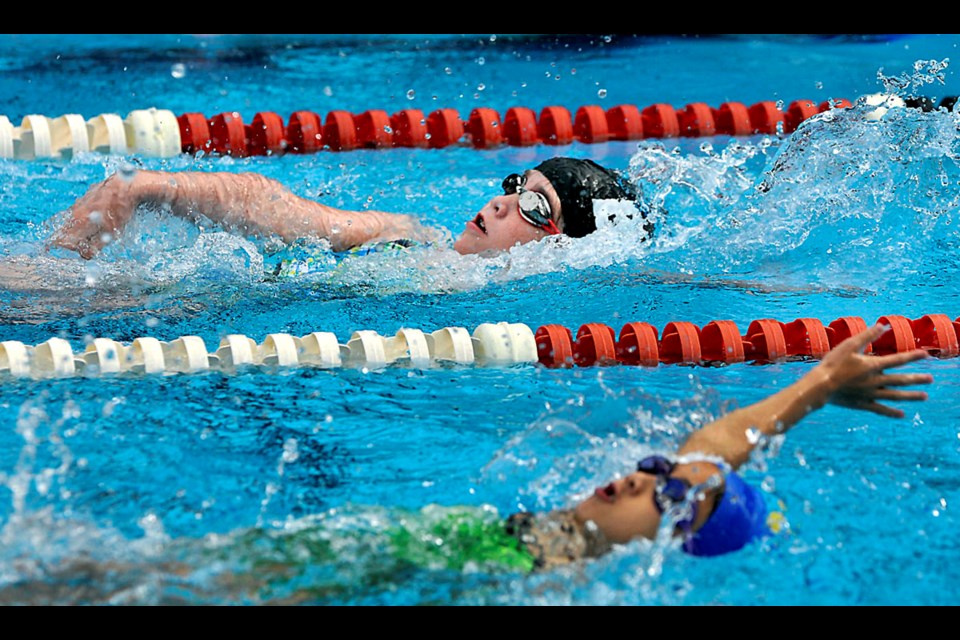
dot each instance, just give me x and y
(248, 203)
(845, 377)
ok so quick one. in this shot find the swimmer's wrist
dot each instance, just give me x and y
(816, 387)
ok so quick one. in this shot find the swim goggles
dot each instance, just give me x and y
(534, 207)
(670, 492)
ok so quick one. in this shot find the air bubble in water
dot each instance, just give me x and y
(602, 93)
(411, 94)
(290, 453)
(178, 70)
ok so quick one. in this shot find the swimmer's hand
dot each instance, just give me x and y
(98, 216)
(860, 381)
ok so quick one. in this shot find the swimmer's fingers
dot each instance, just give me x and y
(880, 363)
(900, 380)
(898, 395)
(869, 405)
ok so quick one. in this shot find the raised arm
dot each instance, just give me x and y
(247, 203)
(845, 377)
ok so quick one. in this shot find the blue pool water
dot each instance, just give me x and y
(281, 486)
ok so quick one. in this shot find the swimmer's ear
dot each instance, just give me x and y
(519, 523)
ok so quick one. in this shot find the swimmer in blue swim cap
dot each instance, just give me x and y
(711, 507)
(555, 197)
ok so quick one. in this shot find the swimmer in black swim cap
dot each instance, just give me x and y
(556, 197)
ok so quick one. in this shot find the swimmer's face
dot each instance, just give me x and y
(624, 509)
(499, 225)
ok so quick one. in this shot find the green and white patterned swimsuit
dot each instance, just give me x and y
(300, 261)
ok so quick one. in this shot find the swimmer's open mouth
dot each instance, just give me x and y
(607, 493)
(479, 222)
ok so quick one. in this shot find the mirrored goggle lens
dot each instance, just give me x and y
(534, 208)
(512, 182)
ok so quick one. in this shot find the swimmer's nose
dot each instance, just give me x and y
(635, 483)
(501, 206)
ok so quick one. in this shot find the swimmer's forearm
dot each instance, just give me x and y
(255, 205)
(734, 436)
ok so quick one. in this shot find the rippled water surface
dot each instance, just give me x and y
(292, 486)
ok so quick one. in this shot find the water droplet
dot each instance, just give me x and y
(602, 93)
(178, 70)
(447, 70)
(127, 171)
(328, 91)
(493, 38)
(481, 87)
(753, 435)
(411, 94)
(481, 61)
(607, 39)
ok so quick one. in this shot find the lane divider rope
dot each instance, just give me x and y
(490, 344)
(159, 133)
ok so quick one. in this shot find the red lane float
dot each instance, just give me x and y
(484, 128)
(520, 127)
(720, 341)
(935, 333)
(660, 121)
(842, 328)
(765, 341)
(304, 132)
(638, 345)
(806, 337)
(596, 344)
(265, 135)
(194, 132)
(733, 119)
(409, 128)
(898, 339)
(555, 126)
(590, 125)
(374, 130)
(696, 121)
(228, 135)
(554, 346)
(340, 131)
(764, 117)
(625, 122)
(444, 127)
(680, 343)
